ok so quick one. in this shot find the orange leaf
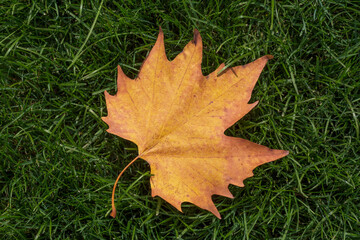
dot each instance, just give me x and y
(177, 118)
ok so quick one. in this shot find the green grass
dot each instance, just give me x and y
(58, 164)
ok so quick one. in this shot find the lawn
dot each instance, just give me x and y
(58, 164)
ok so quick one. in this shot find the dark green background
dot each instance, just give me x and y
(58, 164)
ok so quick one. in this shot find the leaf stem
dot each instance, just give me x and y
(113, 212)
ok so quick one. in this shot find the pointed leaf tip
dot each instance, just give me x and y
(160, 36)
(161, 32)
(197, 37)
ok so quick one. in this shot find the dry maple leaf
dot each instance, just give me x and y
(177, 118)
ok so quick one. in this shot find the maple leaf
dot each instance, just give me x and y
(177, 118)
